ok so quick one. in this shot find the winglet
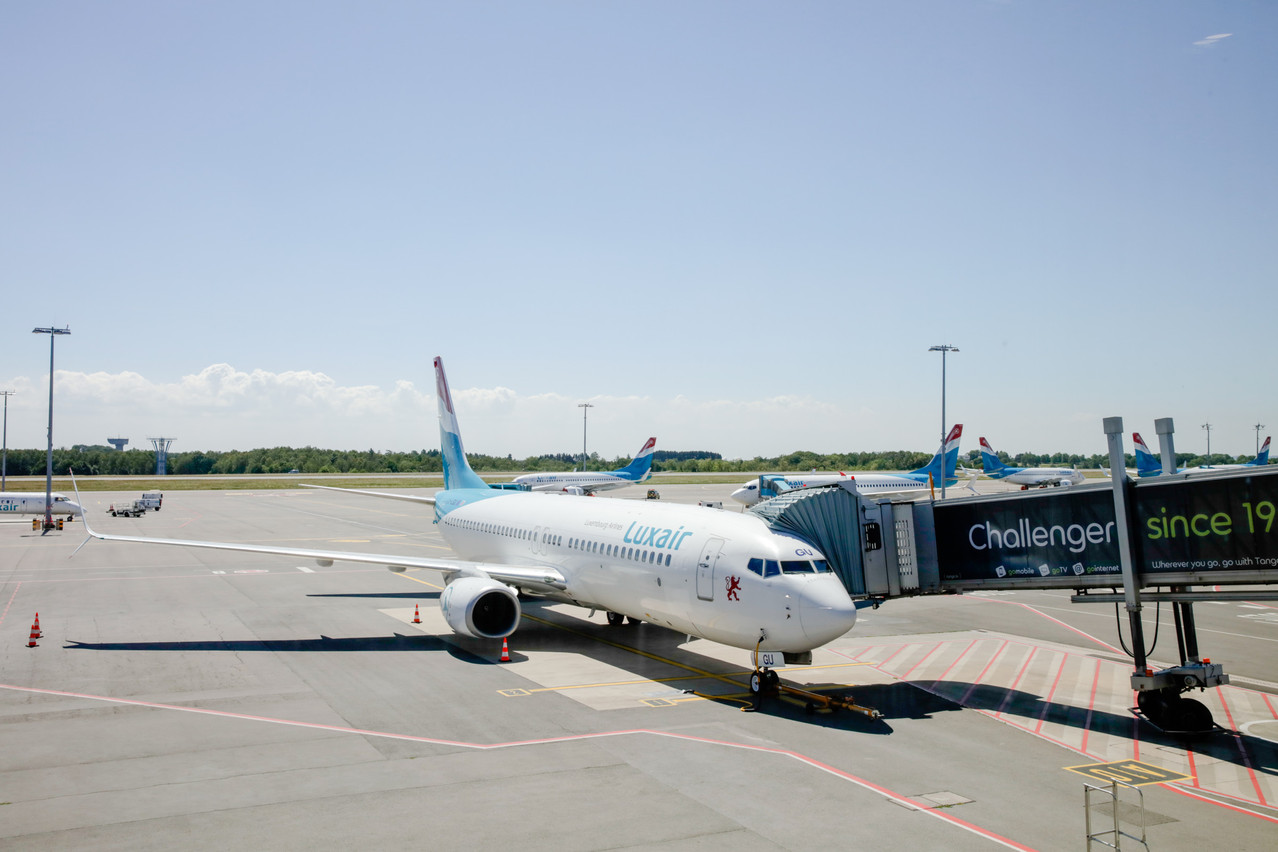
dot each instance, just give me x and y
(84, 515)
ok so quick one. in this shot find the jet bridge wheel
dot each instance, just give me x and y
(1173, 713)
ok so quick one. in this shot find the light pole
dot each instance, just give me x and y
(1259, 426)
(585, 408)
(1207, 426)
(943, 349)
(4, 454)
(48, 460)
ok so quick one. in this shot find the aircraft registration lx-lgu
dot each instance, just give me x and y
(723, 576)
(769, 485)
(590, 481)
(34, 504)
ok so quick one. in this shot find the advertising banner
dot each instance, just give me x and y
(1207, 524)
(1061, 533)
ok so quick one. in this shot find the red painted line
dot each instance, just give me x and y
(1178, 789)
(1270, 705)
(1047, 700)
(794, 755)
(10, 603)
(1193, 767)
(1011, 689)
(1100, 642)
(970, 645)
(935, 648)
(1242, 749)
(1091, 708)
(984, 672)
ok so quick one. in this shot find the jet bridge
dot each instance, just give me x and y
(1178, 532)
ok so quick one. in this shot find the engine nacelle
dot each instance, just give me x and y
(480, 608)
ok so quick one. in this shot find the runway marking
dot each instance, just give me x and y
(1129, 772)
(813, 763)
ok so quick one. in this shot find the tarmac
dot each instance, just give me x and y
(208, 699)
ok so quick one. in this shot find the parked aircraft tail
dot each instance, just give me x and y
(950, 453)
(640, 468)
(989, 460)
(1147, 464)
(457, 471)
(1262, 458)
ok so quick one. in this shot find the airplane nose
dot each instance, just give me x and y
(742, 495)
(74, 507)
(825, 610)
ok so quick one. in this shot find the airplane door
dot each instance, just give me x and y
(705, 568)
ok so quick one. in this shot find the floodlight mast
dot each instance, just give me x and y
(585, 409)
(943, 349)
(4, 455)
(48, 461)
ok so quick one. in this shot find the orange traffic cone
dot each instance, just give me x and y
(417, 616)
(31, 643)
(35, 628)
(505, 650)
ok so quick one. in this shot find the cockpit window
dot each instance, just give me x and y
(771, 568)
(796, 566)
(821, 566)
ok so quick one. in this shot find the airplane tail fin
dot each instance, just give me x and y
(945, 462)
(457, 471)
(1262, 458)
(640, 468)
(1147, 464)
(989, 459)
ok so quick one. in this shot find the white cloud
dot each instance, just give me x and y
(1212, 40)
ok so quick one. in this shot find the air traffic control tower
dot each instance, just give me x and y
(161, 454)
(1177, 538)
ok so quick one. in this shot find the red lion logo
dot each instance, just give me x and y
(734, 586)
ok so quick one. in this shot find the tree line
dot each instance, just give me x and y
(106, 461)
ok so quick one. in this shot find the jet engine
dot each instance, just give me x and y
(480, 607)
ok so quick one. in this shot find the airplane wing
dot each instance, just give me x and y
(535, 578)
(411, 498)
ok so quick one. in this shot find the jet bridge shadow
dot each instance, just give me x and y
(1233, 747)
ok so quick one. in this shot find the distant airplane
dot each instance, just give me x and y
(1026, 477)
(12, 503)
(588, 482)
(1148, 464)
(723, 576)
(769, 485)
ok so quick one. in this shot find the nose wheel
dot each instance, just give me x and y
(764, 682)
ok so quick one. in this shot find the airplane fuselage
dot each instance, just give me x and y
(720, 575)
(562, 481)
(34, 504)
(1037, 475)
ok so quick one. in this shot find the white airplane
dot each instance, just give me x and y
(770, 485)
(1149, 464)
(1027, 477)
(13, 503)
(590, 481)
(717, 575)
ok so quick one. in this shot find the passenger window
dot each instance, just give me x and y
(771, 568)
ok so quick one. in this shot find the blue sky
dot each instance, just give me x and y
(736, 226)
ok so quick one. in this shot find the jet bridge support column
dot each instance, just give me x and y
(1131, 591)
